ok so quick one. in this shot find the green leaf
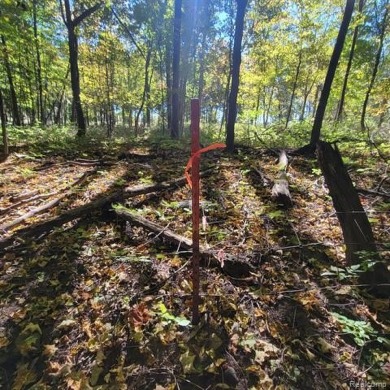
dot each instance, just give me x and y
(182, 321)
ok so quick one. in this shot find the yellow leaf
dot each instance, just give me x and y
(187, 362)
(24, 376)
(310, 355)
(325, 347)
(66, 324)
(49, 349)
(3, 341)
(31, 328)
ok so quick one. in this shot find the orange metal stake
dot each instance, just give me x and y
(195, 146)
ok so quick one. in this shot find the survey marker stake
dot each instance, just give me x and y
(195, 146)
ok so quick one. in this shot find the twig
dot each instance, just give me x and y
(47, 205)
(372, 192)
(28, 200)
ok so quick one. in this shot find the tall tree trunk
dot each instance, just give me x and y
(267, 106)
(375, 68)
(294, 89)
(74, 72)
(71, 25)
(146, 92)
(109, 119)
(41, 111)
(232, 104)
(3, 126)
(202, 67)
(316, 130)
(14, 100)
(340, 107)
(175, 116)
(168, 73)
(148, 82)
(306, 94)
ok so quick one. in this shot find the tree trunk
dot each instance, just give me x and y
(357, 232)
(175, 116)
(356, 228)
(74, 74)
(232, 103)
(41, 111)
(109, 112)
(3, 126)
(294, 89)
(14, 100)
(375, 68)
(340, 107)
(316, 130)
(306, 94)
(71, 25)
(146, 92)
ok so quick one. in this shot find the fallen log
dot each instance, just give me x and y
(228, 264)
(169, 235)
(103, 203)
(280, 191)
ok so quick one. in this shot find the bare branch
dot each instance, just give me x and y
(128, 32)
(86, 13)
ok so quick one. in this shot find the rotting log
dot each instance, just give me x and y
(161, 231)
(228, 264)
(356, 228)
(280, 191)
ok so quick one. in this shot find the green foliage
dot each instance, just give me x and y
(354, 270)
(361, 331)
(163, 312)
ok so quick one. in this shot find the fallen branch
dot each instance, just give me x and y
(230, 265)
(85, 163)
(23, 195)
(169, 235)
(103, 203)
(28, 200)
(372, 192)
(48, 205)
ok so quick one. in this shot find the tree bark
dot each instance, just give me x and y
(280, 191)
(356, 228)
(340, 107)
(316, 130)
(3, 127)
(232, 104)
(375, 68)
(71, 25)
(294, 89)
(175, 116)
(14, 100)
(357, 232)
(41, 111)
(146, 92)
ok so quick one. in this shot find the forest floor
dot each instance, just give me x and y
(97, 303)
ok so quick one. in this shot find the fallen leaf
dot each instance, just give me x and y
(66, 324)
(49, 350)
(24, 376)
